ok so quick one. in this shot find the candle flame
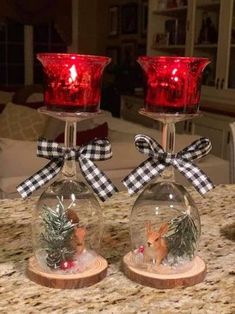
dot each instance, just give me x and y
(174, 71)
(73, 74)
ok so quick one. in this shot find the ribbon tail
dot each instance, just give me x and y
(40, 178)
(195, 175)
(97, 180)
(141, 175)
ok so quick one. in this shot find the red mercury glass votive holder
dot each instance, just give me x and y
(72, 81)
(173, 83)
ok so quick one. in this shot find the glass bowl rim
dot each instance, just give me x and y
(75, 56)
(172, 58)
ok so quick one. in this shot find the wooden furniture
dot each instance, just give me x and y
(213, 123)
(203, 28)
(215, 127)
(116, 293)
(130, 106)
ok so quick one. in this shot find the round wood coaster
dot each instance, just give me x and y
(67, 281)
(187, 278)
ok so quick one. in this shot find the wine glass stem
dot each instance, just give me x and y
(70, 135)
(168, 143)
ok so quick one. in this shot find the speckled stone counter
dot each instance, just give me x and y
(116, 293)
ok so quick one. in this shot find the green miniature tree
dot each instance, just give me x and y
(182, 236)
(58, 230)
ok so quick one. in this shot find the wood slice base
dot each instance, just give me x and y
(67, 281)
(190, 277)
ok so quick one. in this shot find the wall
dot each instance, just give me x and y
(92, 17)
(124, 73)
(93, 20)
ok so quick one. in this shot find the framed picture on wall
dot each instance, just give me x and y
(161, 39)
(113, 20)
(129, 18)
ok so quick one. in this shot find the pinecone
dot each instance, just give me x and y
(54, 259)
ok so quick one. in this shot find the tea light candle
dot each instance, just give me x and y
(173, 83)
(72, 81)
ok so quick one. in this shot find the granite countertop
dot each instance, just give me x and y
(116, 293)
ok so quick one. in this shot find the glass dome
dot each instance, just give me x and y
(67, 227)
(164, 229)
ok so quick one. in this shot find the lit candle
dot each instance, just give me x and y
(173, 83)
(72, 81)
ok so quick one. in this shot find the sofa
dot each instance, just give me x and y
(21, 124)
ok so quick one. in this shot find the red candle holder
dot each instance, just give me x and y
(173, 83)
(72, 81)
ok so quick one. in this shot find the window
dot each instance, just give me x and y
(12, 58)
(11, 53)
(46, 39)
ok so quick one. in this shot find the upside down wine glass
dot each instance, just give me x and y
(164, 220)
(68, 221)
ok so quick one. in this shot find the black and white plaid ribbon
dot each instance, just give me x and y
(96, 150)
(159, 159)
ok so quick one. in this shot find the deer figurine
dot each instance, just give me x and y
(156, 246)
(78, 237)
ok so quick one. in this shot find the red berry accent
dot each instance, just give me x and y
(66, 264)
(141, 249)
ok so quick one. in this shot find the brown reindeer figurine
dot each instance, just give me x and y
(156, 246)
(78, 238)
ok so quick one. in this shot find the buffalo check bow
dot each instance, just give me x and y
(95, 150)
(159, 159)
